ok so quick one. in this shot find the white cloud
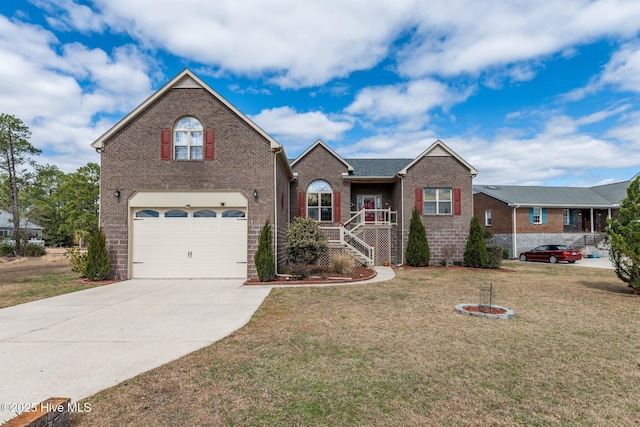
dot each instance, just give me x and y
(468, 37)
(67, 15)
(410, 102)
(295, 43)
(61, 90)
(297, 130)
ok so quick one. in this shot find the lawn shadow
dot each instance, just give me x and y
(616, 288)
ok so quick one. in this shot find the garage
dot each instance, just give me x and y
(194, 235)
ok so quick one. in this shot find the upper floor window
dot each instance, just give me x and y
(320, 201)
(188, 139)
(437, 201)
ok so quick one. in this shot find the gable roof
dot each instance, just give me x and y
(377, 168)
(187, 79)
(320, 143)
(604, 196)
(439, 149)
(6, 221)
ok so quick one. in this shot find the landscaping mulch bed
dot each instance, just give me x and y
(359, 274)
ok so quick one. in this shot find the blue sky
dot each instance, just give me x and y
(530, 92)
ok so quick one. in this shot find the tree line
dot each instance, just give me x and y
(64, 204)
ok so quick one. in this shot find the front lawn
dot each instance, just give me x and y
(29, 279)
(397, 353)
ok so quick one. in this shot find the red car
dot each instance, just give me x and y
(552, 254)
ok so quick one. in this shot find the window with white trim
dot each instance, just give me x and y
(320, 201)
(437, 201)
(566, 217)
(537, 215)
(188, 139)
(487, 218)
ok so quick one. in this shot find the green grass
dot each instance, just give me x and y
(397, 353)
(36, 279)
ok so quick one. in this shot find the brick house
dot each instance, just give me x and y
(523, 217)
(188, 181)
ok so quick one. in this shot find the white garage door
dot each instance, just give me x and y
(189, 243)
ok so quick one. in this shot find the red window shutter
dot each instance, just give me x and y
(302, 204)
(457, 203)
(336, 206)
(165, 142)
(209, 138)
(419, 194)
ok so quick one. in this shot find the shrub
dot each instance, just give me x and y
(342, 264)
(299, 270)
(6, 249)
(306, 241)
(98, 261)
(32, 250)
(495, 255)
(78, 259)
(475, 254)
(417, 253)
(265, 263)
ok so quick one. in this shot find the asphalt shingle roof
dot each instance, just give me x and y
(377, 167)
(600, 196)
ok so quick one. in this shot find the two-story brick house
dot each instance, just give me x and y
(188, 181)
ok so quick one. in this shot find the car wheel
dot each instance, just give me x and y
(553, 259)
(523, 257)
(571, 262)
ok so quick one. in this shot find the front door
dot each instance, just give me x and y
(369, 202)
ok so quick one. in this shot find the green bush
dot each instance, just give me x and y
(475, 253)
(306, 241)
(265, 263)
(77, 259)
(98, 261)
(417, 253)
(299, 270)
(6, 249)
(342, 264)
(495, 255)
(32, 250)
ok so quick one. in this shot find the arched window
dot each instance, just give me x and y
(147, 213)
(188, 139)
(176, 213)
(320, 201)
(204, 213)
(233, 213)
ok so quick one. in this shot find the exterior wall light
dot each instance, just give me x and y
(117, 194)
(255, 194)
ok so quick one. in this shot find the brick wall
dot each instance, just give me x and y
(131, 161)
(442, 230)
(321, 164)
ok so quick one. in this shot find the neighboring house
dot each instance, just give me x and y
(33, 231)
(523, 217)
(188, 181)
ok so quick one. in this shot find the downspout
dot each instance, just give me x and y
(591, 219)
(275, 205)
(515, 232)
(402, 217)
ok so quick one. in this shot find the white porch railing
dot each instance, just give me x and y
(345, 235)
(358, 247)
(371, 217)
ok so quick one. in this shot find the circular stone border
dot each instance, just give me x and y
(508, 313)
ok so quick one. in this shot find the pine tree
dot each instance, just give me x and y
(418, 253)
(624, 237)
(265, 264)
(475, 253)
(98, 262)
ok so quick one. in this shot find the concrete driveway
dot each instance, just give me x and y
(77, 344)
